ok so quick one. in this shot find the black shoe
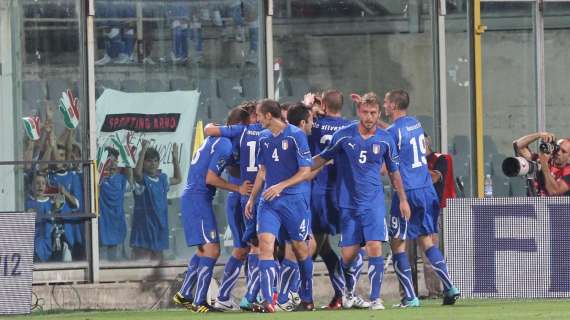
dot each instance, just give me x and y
(204, 308)
(264, 307)
(180, 300)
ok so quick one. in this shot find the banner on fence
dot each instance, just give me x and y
(509, 247)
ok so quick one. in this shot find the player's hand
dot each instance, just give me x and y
(543, 159)
(309, 99)
(245, 188)
(248, 212)
(273, 192)
(405, 210)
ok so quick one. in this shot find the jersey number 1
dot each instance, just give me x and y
(251, 167)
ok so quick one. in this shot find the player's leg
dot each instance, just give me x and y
(210, 254)
(428, 205)
(250, 236)
(269, 223)
(184, 296)
(239, 254)
(289, 268)
(334, 268)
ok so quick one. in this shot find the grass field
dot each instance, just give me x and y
(465, 309)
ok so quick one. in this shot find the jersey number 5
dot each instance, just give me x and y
(419, 146)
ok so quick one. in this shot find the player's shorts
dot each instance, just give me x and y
(198, 219)
(325, 216)
(234, 214)
(250, 234)
(424, 205)
(289, 212)
(366, 224)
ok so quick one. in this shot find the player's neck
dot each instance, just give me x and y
(334, 115)
(397, 114)
(366, 133)
(277, 126)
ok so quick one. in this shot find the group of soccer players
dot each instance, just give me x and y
(295, 178)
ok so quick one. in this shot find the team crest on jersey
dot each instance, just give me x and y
(285, 144)
(212, 234)
(376, 148)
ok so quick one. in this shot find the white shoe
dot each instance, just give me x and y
(286, 307)
(354, 301)
(148, 60)
(103, 61)
(123, 59)
(377, 305)
(295, 298)
(226, 305)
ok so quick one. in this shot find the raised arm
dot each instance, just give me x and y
(521, 145)
(212, 130)
(177, 177)
(138, 172)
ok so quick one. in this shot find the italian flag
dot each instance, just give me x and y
(126, 154)
(32, 126)
(103, 162)
(69, 107)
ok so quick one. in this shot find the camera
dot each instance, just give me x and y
(548, 148)
(519, 166)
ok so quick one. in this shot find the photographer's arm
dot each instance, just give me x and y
(521, 145)
(553, 187)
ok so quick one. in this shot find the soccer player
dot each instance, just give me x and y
(245, 229)
(325, 214)
(199, 219)
(364, 149)
(284, 163)
(410, 140)
(288, 299)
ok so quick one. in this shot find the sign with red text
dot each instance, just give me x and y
(163, 118)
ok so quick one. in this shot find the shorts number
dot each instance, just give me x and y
(362, 157)
(326, 139)
(251, 167)
(395, 223)
(275, 156)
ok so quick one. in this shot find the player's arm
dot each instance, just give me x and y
(257, 186)
(177, 176)
(220, 155)
(318, 164)
(213, 179)
(275, 190)
(398, 185)
(314, 172)
(328, 154)
(553, 187)
(223, 131)
(521, 145)
(212, 130)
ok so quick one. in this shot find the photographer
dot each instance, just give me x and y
(553, 159)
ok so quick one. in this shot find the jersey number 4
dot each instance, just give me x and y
(274, 155)
(419, 146)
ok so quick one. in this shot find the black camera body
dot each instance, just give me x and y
(548, 148)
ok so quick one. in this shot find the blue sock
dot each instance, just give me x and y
(351, 271)
(253, 282)
(439, 266)
(205, 271)
(334, 267)
(190, 277)
(375, 275)
(286, 278)
(276, 280)
(296, 281)
(231, 274)
(306, 271)
(404, 273)
(268, 273)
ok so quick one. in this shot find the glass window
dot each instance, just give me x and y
(509, 87)
(161, 67)
(42, 56)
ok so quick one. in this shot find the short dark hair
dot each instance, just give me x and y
(333, 100)
(112, 152)
(151, 154)
(249, 106)
(237, 115)
(400, 98)
(297, 113)
(270, 106)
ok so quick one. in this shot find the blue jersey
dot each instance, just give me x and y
(213, 154)
(71, 182)
(283, 155)
(112, 222)
(409, 136)
(362, 161)
(42, 238)
(248, 147)
(320, 138)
